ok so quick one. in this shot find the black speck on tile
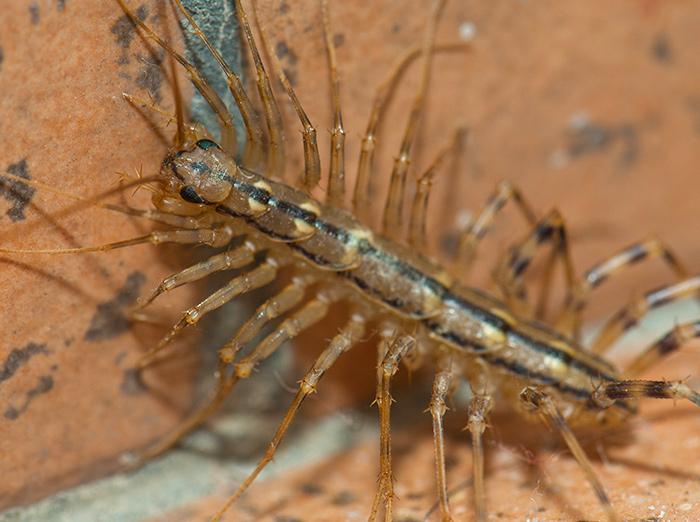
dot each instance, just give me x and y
(661, 49)
(343, 498)
(18, 357)
(18, 194)
(45, 385)
(311, 488)
(34, 13)
(61, 5)
(109, 320)
(124, 29)
(132, 383)
(338, 40)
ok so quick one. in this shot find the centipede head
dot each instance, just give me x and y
(199, 173)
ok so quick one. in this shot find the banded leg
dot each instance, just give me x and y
(664, 347)
(570, 318)
(257, 277)
(271, 308)
(511, 269)
(470, 237)
(228, 133)
(442, 386)
(228, 260)
(215, 237)
(607, 393)
(538, 401)
(340, 344)
(254, 133)
(629, 316)
(479, 409)
(393, 210)
(397, 349)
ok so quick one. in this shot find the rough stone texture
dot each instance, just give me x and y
(591, 107)
(68, 404)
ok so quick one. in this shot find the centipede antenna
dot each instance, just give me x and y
(419, 210)
(254, 133)
(365, 167)
(393, 211)
(273, 118)
(97, 248)
(312, 162)
(228, 132)
(336, 175)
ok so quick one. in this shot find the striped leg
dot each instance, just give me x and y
(396, 349)
(606, 394)
(629, 316)
(340, 344)
(538, 401)
(511, 269)
(665, 346)
(472, 235)
(569, 321)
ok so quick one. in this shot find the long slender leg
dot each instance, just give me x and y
(262, 275)
(538, 401)
(665, 346)
(630, 315)
(340, 344)
(570, 318)
(228, 260)
(274, 307)
(336, 173)
(312, 161)
(471, 236)
(606, 394)
(417, 230)
(442, 385)
(254, 133)
(273, 118)
(271, 308)
(510, 271)
(228, 133)
(393, 210)
(399, 347)
(479, 409)
(215, 237)
(308, 315)
(363, 183)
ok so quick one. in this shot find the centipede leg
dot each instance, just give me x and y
(630, 315)
(569, 320)
(273, 118)
(260, 276)
(511, 269)
(228, 260)
(475, 232)
(393, 209)
(442, 384)
(538, 401)
(228, 132)
(312, 161)
(270, 309)
(364, 181)
(341, 343)
(607, 393)
(254, 133)
(397, 349)
(479, 409)
(665, 346)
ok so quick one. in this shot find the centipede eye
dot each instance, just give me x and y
(190, 195)
(206, 144)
